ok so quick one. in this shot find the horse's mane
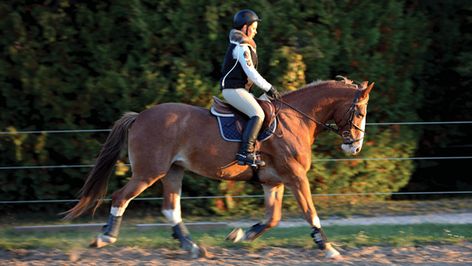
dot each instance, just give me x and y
(318, 84)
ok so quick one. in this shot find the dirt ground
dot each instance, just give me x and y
(460, 254)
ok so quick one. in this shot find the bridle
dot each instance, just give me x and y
(350, 113)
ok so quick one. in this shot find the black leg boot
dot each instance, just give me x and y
(112, 228)
(181, 233)
(109, 233)
(247, 154)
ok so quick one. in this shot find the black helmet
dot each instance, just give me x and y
(244, 17)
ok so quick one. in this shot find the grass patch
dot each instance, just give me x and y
(327, 207)
(345, 236)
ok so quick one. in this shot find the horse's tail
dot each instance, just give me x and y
(95, 187)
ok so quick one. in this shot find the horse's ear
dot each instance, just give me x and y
(369, 88)
(366, 91)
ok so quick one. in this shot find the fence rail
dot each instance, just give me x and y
(315, 160)
(252, 196)
(241, 196)
(54, 131)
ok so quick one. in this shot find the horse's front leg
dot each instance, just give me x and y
(172, 187)
(273, 196)
(301, 189)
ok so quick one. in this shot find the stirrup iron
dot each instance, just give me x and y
(252, 159)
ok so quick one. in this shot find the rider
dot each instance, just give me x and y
(239, 74)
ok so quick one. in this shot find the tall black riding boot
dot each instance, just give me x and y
(247, 154)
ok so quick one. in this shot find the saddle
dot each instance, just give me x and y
(231, 122)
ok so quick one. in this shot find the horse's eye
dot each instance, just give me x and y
(359, 114)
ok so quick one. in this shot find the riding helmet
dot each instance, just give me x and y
(244, 17)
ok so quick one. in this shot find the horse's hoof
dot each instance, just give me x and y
(332, 253)
(199, 252)
(102, 240)
(334, 256)
(204, 253)
(236, 235)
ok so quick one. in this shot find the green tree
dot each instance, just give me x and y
(80, 65)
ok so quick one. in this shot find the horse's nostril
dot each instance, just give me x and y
(358, 150)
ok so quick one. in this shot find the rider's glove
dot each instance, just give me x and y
(273, 93)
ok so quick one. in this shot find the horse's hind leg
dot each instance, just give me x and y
(172, 184)
(120, 200)
(273, 196)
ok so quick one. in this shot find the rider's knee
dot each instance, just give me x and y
(260, 114)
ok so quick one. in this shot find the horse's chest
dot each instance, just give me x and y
(299, 155)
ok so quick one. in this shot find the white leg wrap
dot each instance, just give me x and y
(174, 215)
(118, 211)
(316, 222)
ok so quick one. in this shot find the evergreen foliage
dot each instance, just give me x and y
(80, 65)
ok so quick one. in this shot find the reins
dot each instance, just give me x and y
(327, 126)
(351, 110)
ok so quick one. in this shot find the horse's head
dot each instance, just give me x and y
(350, 117)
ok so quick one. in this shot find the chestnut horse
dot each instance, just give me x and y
(169, 138)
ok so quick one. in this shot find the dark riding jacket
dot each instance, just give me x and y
(239, 68)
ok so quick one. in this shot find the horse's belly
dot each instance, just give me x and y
(216, 168)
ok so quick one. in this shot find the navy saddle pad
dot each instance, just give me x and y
(231, 127)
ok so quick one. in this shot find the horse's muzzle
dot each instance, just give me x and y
(352, 149)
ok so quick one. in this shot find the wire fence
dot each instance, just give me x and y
(250, 196)
(314, 160)
(242, 196)
(108, 130)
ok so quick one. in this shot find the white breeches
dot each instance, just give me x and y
(244, 101)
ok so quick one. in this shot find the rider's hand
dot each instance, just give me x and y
(273, 93)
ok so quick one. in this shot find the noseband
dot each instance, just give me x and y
(351, 112)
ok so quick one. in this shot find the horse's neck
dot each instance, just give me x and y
(319, 102)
